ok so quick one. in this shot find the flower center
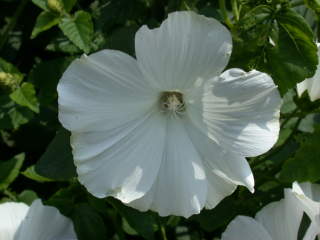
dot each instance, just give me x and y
(172, 102)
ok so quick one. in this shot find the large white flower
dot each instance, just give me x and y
(276, 221)
(309, 198)
(168, 131)
(281, 220)
(312, 85)
(39, 222)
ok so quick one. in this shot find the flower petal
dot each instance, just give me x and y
(102, 91)
(308, 196)
(181, 187)
(272, 218)
(186, 46)
(227, 165)
(11, 216)
(246, 228)
(218, 189)
(238, 110)
(122, 162)
(45, 222)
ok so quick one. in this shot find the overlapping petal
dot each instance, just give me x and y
(45, 222)
(122, 162)
(11, 216)
(181, 186)
(238, 110)
(103, 91)
(186, 46)
(276, 221)
(308, 196)
(245, 228)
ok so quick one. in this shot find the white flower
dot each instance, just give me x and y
(168, 131)
(281, 220)
(11, 216)
(312, 85)
(276, 221)
(309, 198)
(39, 222)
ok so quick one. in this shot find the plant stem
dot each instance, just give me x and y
(224, 12)
(163, 232)
(235, 10)
(12, 23)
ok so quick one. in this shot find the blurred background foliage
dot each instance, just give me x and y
(39, 39)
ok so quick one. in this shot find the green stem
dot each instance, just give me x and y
(163, 232)
(10, 195)
(12, 24)
(224, 12)
(235, 10)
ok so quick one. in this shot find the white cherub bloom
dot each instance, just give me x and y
(280, 220)
(309, 198)
(19, 222)
(168, 131)
(312, 85)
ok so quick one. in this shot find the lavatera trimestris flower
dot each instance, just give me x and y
(18, 221)
(168, 131)
(281, 220)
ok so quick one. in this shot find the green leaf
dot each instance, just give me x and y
(32, 174)
(142, 222)
(88, 224)
(27, 196)
(68, 4)
(26, 96)
(9, 170)
(57, 162)
(294, 56)
(304, 166)
(45, 21)
(41, 4)
(79, 29)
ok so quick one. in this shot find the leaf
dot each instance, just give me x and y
(294, 56)
(45, 21)
(45, 77)
(41, 4)
(304, 166)
(33, 175)
(10, 76)
(142, 222)
(88, 224)
(9, 170)
(26, 96)
(79, 29)
(68, 4)
(57, 162)
(27, 196)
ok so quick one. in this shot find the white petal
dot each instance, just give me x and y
(11, 216)
(238, 110)
(218, 189)
(102, 91)
(246, 228)
(308, 196)
(227, 165)
(281, 219)
(186, 46)
(45, 222)
(122, 162)
(181, 187)
(303, 86)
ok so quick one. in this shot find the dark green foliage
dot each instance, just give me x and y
(40, 38)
